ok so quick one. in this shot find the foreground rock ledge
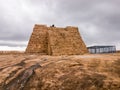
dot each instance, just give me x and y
(78, 72)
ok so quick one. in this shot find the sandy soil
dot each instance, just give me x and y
(77, 72)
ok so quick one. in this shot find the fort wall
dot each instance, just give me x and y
(56, 41)
(38, 41)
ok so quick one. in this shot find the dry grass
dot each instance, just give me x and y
(87, 72)
(116, 67)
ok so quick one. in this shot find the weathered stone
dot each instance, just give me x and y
(56, 41)
(38, 41)
(76, 72)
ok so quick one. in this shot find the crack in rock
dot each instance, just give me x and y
(20, 81)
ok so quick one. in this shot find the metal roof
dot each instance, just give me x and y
(99, 47)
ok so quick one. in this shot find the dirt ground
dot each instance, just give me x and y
(77, 72)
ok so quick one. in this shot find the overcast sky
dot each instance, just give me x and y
(98, 20)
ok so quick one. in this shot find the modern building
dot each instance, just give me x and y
(101, 49)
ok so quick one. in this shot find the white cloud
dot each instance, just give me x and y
(7, 48)
(13, 43)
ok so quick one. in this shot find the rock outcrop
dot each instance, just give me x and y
(78, 72)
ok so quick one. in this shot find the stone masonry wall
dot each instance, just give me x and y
(56, 41)
(38, 41)
(66, 41)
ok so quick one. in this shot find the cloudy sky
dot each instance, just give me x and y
(98, 20)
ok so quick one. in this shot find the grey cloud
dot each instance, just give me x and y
(98, 20)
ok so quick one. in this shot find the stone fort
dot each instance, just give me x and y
(56, 41)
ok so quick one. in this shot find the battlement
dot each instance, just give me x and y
(56, 41)
(38, 26)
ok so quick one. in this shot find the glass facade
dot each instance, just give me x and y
(102, 49)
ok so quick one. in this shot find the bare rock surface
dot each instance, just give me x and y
(77, 72)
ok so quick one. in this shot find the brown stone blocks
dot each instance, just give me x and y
(56, 41)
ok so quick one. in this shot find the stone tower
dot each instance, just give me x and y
(56, 41)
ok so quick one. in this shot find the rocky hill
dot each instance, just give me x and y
(77, 72)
